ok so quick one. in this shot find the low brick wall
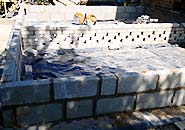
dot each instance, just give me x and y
(37, 101)
(100, 35)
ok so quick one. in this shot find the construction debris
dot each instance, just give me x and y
(144, 19)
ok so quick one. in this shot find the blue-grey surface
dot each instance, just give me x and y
(137, 82)
(82, 108)
(154, 100)
(23, 92)
(37, 114)
(75, 87)
(108, 84)
(116, 104)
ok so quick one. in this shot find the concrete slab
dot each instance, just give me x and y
(6, 28)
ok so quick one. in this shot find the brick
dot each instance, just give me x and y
(154, 100)
(82, 108)
(115, 104)
(8, 118)
(29, 115)
(136, 82)
(108, 85)
(21, 92)
(171, 78)
(73, 87)
(179, 97)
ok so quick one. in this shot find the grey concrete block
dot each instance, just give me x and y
(137, 82)
(8, 118)
(21, 92)
(74, 87)
(154, 100)
(29, 115)
(115, 104)
(108, 85)
(82, 108)
(179, 97)
(171, 78)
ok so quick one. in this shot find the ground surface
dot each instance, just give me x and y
(160, 119)
(5, 32)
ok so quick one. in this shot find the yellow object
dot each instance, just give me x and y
(81, 19)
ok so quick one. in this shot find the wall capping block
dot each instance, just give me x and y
(173, 78)
(75, 87)
(137, 82)
(25, 92)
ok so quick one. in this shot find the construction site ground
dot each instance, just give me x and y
(158, 119)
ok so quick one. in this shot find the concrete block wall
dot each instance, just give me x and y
(100, 36)
(45, 13)
(30, 102)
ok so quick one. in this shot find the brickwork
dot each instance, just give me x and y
(101, 36)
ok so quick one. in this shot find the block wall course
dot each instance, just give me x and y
(115, 104)
(136, 82)
(171, 78)
(29, 115)
(179, 97)
(78, 109)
